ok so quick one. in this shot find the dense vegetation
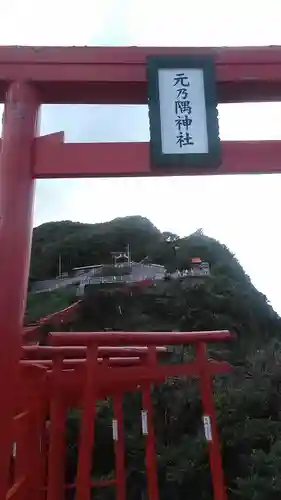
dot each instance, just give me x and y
(42, 304)
(248, 401)
(84, 244)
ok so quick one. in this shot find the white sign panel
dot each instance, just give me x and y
(183, 117)
(115, 429)
(207, 428)
(144, 422)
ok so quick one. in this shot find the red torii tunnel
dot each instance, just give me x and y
(30, 76)
(78, 370)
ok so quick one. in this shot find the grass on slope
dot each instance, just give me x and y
(42, 304)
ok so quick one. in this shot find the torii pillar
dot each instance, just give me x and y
(16, 218)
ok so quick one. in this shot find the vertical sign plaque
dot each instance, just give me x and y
(183, 112)
(207, 428)
(144, 422)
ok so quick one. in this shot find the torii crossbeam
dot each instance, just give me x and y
(107, 75)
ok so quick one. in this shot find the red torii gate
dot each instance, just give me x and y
(66, 389)
(67, 375)
(35, 75)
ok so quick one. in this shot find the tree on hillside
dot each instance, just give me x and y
(88, 244)
(248, 401)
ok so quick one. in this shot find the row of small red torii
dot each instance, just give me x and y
(30, 76)
(67, 375)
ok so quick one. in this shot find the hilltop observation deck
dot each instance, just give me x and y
(121, 273)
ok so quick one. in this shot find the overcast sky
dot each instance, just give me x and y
(241, 211)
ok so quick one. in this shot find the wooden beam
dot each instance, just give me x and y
(137, 338)
(117, 75)
(56, 159)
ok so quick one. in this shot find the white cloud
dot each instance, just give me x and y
(203, 23)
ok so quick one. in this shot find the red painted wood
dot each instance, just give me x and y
(82, 387)
(136, 338)
(16, 211)
(56, 457)
(22, 458)
(47, 352)
(150, 452)
(118, 74)
(87, 428)
(40, 447)
(18, 490)
(119, 379)
(119, 446)
(150, 443)
(27, 461)
(54, 159)
(29, 427)
(71, 364)
(209, 410)
(37, 454)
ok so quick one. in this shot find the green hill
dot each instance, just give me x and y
(87, 244)
(248, 401)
